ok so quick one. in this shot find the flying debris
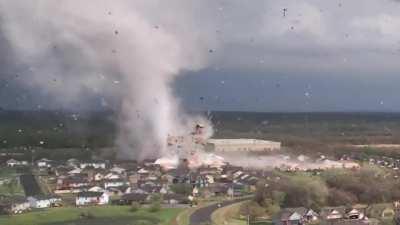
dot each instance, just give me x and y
(116, 32)
(189, 150)
(284, 11)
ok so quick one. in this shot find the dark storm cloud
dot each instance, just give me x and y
(357, 38)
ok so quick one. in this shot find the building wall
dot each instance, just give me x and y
(243, 145)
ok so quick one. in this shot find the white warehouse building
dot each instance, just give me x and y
(243, 145)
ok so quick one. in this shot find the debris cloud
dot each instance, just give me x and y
(130, 50)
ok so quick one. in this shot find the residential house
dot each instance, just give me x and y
(355, 214)
(91, 198)
(143, 173)
(44, 163)
(140, 198)
(198, 180)
(133, 178)
(217, 189)
(295, 216)
(195, 191)
(164, 190)
(75, 171)
(14, 205)
(333, 213)
(94, 164)
(62, 170)
(72, 162)
(44, 201)
(167, 178)
(112, 176)
(150, 188)
(13, 163)
(381, 211)
(210, 178)
(96, 189)
(229, 170)
(115, 183)
(71, 182)
(208, 170)
(174, 199)
(118, 191)
(118, 170)
(98, 176)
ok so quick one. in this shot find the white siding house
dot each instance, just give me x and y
(92, 198)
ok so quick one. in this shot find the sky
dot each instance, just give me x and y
(303, 55)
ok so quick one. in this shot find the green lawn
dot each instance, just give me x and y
(12, 186)
(107, 215)
(8, 172)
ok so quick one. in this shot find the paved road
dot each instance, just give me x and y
(203, 215)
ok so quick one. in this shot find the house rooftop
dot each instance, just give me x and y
(89, 194)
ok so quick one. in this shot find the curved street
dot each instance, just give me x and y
(203, 215)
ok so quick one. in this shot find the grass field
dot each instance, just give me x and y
(8, 172)
(108, 215)
(228, 215)
(11, 185)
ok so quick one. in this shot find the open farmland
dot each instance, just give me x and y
(116, 215)
(68, 135)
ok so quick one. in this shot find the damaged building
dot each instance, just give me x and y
(242, 145)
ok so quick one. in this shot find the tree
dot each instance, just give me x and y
(185, 189)
(310, 192)
(278, 197)
(252, 209)
(338, 197)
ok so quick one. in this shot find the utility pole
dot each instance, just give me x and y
(248, 215)
(32, 157)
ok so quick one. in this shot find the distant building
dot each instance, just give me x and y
(242, 145)
(44, 163)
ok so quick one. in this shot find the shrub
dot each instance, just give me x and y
(134, 207)
(155, 207)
